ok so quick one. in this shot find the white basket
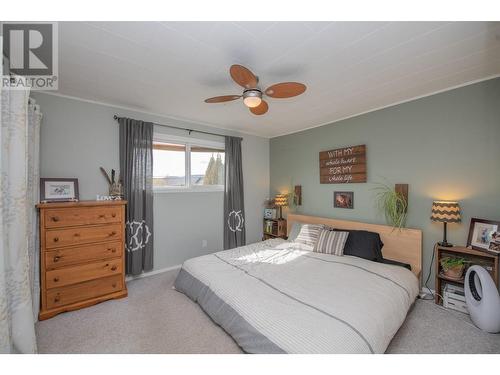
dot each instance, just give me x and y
(454, 298)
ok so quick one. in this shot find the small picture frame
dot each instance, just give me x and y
(269, 213)
(495, 243)
(343, 199)
(59, 190)
(483, 233)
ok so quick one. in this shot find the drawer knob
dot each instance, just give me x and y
(77, 234)
(55, 219)
(57, 299)
(102, 216)
(113, 268)
(113, 285)
(112, 249)
(56, 258)
(56, 239)
(113, 233)
(56, 279)
(113, 215)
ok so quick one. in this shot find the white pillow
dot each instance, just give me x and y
(308, 234)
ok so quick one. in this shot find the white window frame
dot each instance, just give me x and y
(187, 142)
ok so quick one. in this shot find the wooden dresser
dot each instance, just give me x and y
(82, 260)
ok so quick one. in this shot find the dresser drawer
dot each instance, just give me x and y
(76, 274)
(73, 255)
(67, 217)
(84, 291)
(75, 236)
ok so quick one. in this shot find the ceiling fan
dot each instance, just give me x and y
(252, 94)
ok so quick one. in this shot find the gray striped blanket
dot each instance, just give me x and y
(276, 297)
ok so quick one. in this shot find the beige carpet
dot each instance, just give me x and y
(156, 319)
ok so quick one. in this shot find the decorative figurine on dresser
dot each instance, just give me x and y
(81, 254)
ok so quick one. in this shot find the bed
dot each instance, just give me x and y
(276, 296)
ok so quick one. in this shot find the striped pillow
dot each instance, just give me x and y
(308, 234)
(331, 242)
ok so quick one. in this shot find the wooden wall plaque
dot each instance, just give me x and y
(343, 165)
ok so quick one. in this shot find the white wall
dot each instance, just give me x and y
(77, 137)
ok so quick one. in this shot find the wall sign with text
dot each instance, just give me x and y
(343, 165)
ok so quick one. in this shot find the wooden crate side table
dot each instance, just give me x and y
(278, 229)
(487, 260)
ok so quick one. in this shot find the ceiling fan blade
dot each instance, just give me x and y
(221, 99)
(285, 90)
(243, 76)
(260, 109)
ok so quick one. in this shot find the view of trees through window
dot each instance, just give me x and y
(207, 166)
(170, 160)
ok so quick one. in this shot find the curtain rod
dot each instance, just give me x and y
(186, 129)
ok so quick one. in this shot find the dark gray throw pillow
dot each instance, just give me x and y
(363, 244)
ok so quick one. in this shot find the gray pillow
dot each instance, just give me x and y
(331, 242)
(294, 232)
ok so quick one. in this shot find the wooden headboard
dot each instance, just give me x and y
(402, 245)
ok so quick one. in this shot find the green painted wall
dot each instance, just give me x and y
(445, 146)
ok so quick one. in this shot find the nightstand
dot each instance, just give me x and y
(481, 258)
(274, 228)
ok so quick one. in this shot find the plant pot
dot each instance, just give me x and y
(454, 272)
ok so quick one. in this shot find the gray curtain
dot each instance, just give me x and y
(136, 168)
(234, 209)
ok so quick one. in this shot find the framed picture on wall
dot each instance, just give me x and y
(482, 233)
(343, 199)
(58, 189)
(269, 213)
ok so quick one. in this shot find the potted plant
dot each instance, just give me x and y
(453, 267)
(392, 204)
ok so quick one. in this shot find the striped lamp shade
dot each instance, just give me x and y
(446, 212)
(281, 200)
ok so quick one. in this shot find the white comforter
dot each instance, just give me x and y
(306, 302)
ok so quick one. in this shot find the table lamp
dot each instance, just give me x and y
(445, 212)
(281, 200)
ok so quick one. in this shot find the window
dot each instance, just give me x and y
(169, 161)
(181, 164)
(207, 166)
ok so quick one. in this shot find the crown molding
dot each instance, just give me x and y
(391, 105)
(164, 116)
(233, 131)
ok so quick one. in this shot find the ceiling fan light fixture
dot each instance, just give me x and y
(252, 98)
(252, 94)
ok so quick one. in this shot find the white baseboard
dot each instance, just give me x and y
(152, 273)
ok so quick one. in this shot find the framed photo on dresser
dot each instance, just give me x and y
(58, 189)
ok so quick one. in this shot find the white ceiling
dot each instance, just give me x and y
(169, 68)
